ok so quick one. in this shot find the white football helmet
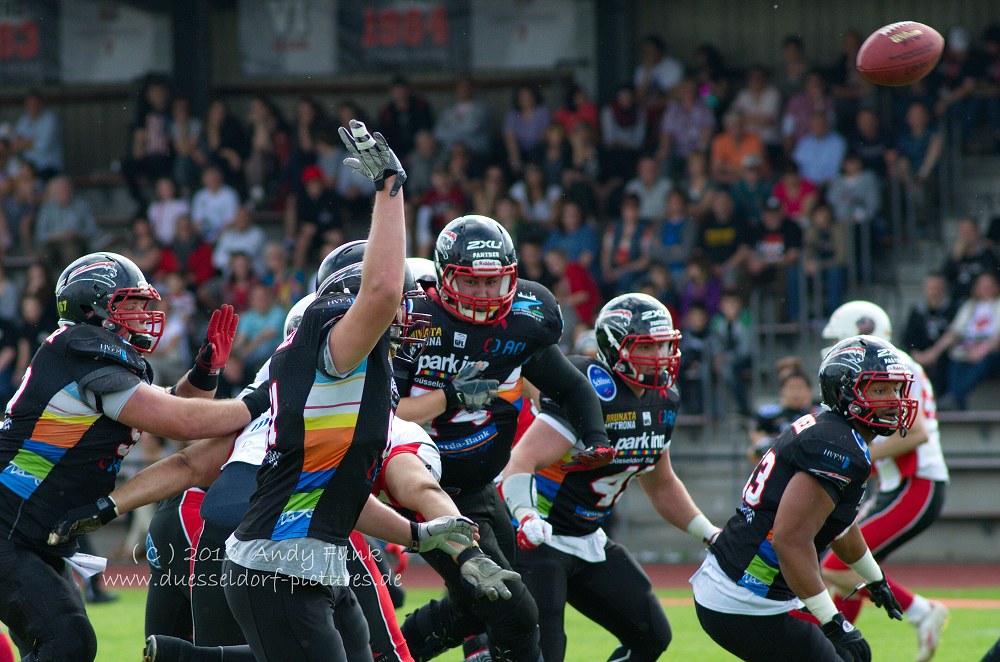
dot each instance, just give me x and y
(294, 315)
(422, 268)
(858, 318)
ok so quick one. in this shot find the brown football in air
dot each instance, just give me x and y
(900, 53)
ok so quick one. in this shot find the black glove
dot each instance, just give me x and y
(84, 519)
(258, 400)
(882, 596)
(371, 156)
(847, 639)
(468, 391)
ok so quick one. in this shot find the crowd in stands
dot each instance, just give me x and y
(698, 184)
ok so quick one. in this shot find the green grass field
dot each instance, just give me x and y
(969, 634)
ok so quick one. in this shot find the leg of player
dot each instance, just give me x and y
(618, 595)
(546, 573)
(370, 590)
(162, 648)
(755, 638)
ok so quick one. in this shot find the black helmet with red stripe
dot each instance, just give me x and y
(632, 321)
(478, 247)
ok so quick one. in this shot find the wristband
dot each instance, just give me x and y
(701, 528)
(203, 379)
(414, 538)
(821, 606)
(451, 400)
(518, 491)
(868, 568)
(468, 553)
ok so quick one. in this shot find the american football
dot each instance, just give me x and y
(900, 53)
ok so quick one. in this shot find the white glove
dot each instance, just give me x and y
(533, 531)
(438, 533)
(371, 156)
(486, 577)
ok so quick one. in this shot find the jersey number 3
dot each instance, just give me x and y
(755, 486)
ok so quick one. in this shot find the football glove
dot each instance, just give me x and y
(485, 576)
(847, 639)
(215, 349)
(85, 519)
(468, 391)
(438, 533)
(882, 596)
(371, 156)
(597, 454)
(533, 531)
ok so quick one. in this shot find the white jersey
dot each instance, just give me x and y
(251, 445)
(927, 460)
(407, 437)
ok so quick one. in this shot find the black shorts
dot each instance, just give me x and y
(777, 638)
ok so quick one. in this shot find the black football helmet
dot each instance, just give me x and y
(344, 264)
(93, 289)
(475, 246)
(847, 374)
(633, 320)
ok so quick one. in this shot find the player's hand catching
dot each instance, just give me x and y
(371, 156)
(487, 578)
(438, 533)
(84, 519)
(847, 639)
(882, 596)
(218, 343)
(468, 391)
(533, 531)
(594, 456)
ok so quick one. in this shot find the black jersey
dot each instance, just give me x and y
(639, 428)
(326, 437)
(831, 451)
(59, 451)
(475, 446)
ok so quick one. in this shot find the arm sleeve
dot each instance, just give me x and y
(554, 375)
(107, 389)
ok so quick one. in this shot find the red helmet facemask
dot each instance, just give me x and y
(145, 327)
(407, 330)
(479, 310)
(866, 409)
(650, 372)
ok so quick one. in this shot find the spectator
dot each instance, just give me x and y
(798, 196)
(425, 158)
(39, 283)
(531, 260)
(577, 107)
(820, 152)
(957, 77)
(508, 214)
(659, 284)
(972, 342)
(927, 321)
(243, 236)
(731, 147)
(467, 121)
(575, 288)
(182, 301)
(434, 211)
(10, 297)
(687, 127)
(8, 361)
(143, 248)
(286, 283)
(488, 194)
(800, 108)
(700, 288)
(536, 197)
(185, 136)
(524, 127)
(150, 155)
(990, 88)
(774, 260)
(37, 137)
(575, 236)
(791, 74)
(164, 212)
(65, 224)
(309, 117)
(19, 207)
(771, 419)
(870, 141)
(625, 249)
(712, 77)
(261, 330)
(657, 73)
(34, 329)
(313, 217)
(969, 256)
(224, 144)
(849, 89)
(623, 130)
(355, 190)
(698, 187)
(723, 239)
(215, 205)
(855, 195)
(674, 236)
(458, 162)
(918, 147)
(760, 103)
(555, 155)
(172, 357)
(825, 249)
(237, 281)
(404, 115)
(732, 333)
(650, 187)
(194, 254)
(752, 190)
(585, 153)
(270, 149)
(696, 360)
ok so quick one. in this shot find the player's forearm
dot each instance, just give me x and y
(426, 498)
(195, 466)
(380, 521)
(672, 502)
(422, 408)
(799, 566)
(184, 389)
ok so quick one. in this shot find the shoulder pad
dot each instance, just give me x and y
(329, 307)
(96, 343)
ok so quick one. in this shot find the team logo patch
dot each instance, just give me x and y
(446, 240)
(603, 383)
(460, 339)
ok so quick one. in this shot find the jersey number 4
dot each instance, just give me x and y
(758, 479)
(611, 487)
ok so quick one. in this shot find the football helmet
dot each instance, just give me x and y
(630, 321)
(846, 377)
(344, 263)
(93, 289)
(858, 318)
(475, 246)
(294, 316)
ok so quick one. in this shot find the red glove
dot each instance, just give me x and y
(218, 343)
(594, 457)
(402, 558)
